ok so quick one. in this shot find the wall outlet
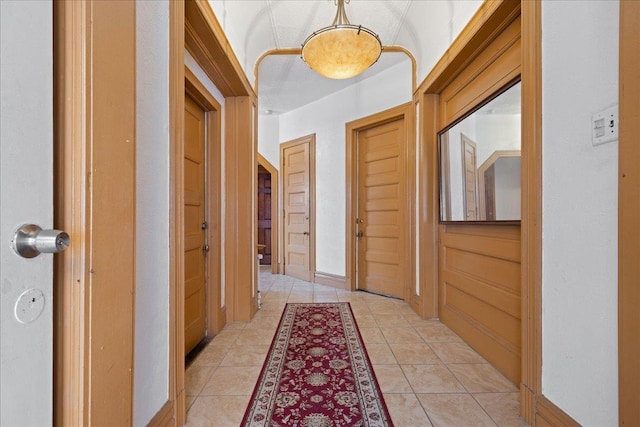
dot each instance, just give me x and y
(604, 126)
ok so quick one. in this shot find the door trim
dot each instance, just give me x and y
(404, 111)
(311, 139)
(177, 395)
(275, 266)
(629, 222)
(90, 292)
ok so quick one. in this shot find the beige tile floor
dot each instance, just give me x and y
(428, 375)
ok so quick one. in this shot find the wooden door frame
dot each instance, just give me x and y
(216, 311)
(405, 112)
(94, 280)
(311, 139)
(275, 263)
(628, 219)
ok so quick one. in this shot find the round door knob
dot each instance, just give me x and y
(31, 240)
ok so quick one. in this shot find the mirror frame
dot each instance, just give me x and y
(444, 203)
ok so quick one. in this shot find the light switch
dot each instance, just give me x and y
(604, 126)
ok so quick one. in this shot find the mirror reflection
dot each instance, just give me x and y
(480, 163)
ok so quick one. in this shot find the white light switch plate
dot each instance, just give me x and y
(604, 126)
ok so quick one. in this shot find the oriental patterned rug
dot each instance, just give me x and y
(317, 373)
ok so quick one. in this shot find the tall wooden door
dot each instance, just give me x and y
(295, 196)
(470, 199)
(264, 214)
(195, 245)
(382, 214)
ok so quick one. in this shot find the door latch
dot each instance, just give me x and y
(360, 234)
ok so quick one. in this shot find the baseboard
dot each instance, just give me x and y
(527, 404)
(164, 417)
(333, 280)
(222, 319)
(549, 415)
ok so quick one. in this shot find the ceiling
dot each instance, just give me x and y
(253, 27)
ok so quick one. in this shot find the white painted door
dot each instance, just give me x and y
(26, 178)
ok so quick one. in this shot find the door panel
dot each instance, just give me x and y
(381, 209)
(479, 291)
(26, 196)
(296, 210)
(194, 217)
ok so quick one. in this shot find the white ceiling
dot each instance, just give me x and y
(424, 27)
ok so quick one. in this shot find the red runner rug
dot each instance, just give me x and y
(317, 373)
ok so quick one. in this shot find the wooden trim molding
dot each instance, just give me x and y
(95, 278)
(531, 220)
(489, 21)
(165, 417)
(406, 112)
(549, 415)
(333, 280)
(207, 43)
(275, 218)
(240, 223)
(177, 392)
(628, 218)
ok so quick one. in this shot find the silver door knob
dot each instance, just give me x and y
(30, 240)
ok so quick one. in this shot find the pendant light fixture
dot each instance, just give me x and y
(342, 50)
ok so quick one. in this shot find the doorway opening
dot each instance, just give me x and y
(267, 215)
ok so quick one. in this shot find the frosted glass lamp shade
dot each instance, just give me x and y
(341, 51)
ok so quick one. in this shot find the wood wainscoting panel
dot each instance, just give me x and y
(479, 290)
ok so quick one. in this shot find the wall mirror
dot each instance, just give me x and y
(480, 162)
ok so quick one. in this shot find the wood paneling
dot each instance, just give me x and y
(628, 218)
(95, 167)
(479, 290)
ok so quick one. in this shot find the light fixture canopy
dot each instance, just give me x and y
(341, 50)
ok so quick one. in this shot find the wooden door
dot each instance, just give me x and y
(195, 249)
(490, 194)
(295, 196)
(382, 214)
(264, 214)
(470, 199)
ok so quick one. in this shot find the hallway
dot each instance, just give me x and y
(427, 374)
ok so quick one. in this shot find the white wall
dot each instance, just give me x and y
(327, 118)
(269, 138)
(151, 368)
(579, 299)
